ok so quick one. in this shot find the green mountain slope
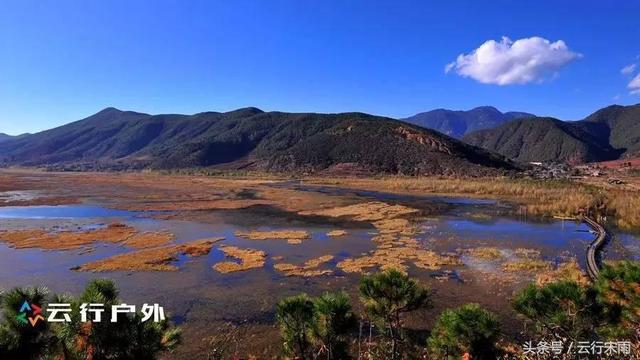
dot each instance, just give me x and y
(546, 139)
(622, 127)
(250, 138)
(607, 134)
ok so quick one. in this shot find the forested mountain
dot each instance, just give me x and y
(607, 134)
(621, 126)
(250, 139)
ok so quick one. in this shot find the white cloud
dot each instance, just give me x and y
(513, 62)
(634, 85)
(628, 70)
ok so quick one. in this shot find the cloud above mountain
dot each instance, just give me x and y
(628, 70)
(510, 62)
(634, 85)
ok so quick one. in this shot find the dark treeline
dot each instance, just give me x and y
(325, 327)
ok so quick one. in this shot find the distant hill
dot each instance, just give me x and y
(621, 125)
(459, 123)
(607, 134)
(543, 140)
(250, 139)
(4, 137)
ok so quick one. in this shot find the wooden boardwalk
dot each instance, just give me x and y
(594, 248)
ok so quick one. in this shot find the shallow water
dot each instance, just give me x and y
(451, 223)
(60, 212)
(196, 295)
(552, 236)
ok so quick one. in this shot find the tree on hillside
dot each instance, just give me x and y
(467, 329)
(333, 322)
(296, 318)
(389, 294)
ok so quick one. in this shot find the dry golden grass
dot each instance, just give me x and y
(489, 253)
(67, 240)
(156, 259)
(396, 253)
(195, 204)
(249, 259)
(566, 271)
(395, 226)
(528, 265)
(369, 211)
(308, 269)
(540, 197)
(199, 247)
(318, 261)
(394, 246)
(626, 205)
(147, 240)
(537, 197)
(479, 216)
(397, 258)
(336, 233)
(527, 253)
(152, 191)
(293, 236)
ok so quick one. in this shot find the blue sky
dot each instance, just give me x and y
(64, 60)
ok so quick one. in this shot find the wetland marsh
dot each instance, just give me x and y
(219, 251)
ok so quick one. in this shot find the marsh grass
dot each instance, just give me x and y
(546, 198)
(626, 208)
(536, 197)
(526, 265)
(487, 253)
(154, 259)
(568, 271)
(249, 259)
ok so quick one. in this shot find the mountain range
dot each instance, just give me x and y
(249, 138)
(608, 134)
(457, 123)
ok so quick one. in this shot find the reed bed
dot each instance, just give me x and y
(566, 198)
(626, 208)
